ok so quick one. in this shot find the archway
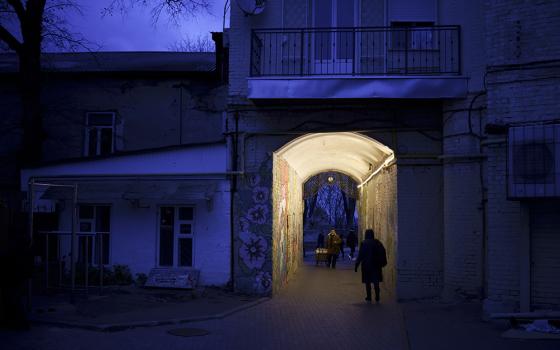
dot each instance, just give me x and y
(329, 202)
(368, 162)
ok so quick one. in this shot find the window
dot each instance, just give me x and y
(94, 225)
(328, 42)
(412, 36)
(176, 233)
(100, 133)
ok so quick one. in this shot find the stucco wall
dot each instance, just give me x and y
(148, 112)
(134, 232)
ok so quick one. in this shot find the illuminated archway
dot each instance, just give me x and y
(353, 154)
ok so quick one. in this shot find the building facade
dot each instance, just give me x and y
(416, 101)
(134, 165)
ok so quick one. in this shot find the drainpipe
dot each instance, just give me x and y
(31, 204)
(233, 190)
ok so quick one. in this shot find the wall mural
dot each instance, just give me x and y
(261, 229)
(253, 243)
(287, 224)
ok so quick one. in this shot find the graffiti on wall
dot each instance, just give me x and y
(287, 224)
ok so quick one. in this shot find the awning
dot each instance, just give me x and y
(198, 162)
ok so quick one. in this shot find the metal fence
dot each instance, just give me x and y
(433, 50)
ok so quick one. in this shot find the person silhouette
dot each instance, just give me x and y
(373, 258)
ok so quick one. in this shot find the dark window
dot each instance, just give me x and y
(185, 252)
(86, 212)
(186, 213)
(412, 35)
(100, 133)
(166, 236)
(185, 229)
(176, 236)
(94, 219)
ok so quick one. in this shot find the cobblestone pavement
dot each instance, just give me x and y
(320, 309)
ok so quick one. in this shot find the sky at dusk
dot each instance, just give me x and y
(135, 31)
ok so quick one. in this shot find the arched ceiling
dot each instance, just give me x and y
(350, 153)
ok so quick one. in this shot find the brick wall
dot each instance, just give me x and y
(523, 51)
(420, 232)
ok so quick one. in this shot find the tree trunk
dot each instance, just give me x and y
(30, 77)
(30, 82)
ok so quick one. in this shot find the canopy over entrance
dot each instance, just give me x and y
(353, 154)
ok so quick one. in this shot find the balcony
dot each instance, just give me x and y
(383, 62)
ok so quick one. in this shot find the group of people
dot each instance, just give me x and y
(371, 256)
(336, 243)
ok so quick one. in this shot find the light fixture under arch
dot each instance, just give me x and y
(354, 154)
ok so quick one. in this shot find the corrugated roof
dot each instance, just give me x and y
(124, 61)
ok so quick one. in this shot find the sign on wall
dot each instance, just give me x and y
(173, 278)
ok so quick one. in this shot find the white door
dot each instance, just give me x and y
(333, 36)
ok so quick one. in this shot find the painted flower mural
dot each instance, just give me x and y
(260, 194)
(243, 224)
(252, 250)
(253, 231)
(263, 282)
(254, 179)
(258, 214)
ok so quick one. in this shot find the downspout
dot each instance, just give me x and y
(233, 190)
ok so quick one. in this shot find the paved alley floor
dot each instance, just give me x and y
(320, 309)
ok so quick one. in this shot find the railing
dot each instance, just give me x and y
(434, 50)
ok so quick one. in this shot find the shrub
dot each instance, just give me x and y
(141, 279)
(122, 275)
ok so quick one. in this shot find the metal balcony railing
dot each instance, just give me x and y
(433, 50)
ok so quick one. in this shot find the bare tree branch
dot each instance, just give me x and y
(9, 39)
(175, 9)
(18, 8)
(198, 44)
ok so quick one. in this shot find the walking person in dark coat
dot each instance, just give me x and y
(341, 246)
(320, 240)
(373, 258)
(351, 242)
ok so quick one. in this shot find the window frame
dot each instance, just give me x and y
(95, 233)
(89, 127)
(177, 235)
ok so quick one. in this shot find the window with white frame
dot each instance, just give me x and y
(94, 233)
(100, 133)
(176, 236)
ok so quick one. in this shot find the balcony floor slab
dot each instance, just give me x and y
(358, 87)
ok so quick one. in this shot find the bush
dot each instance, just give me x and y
(115, 275)
(141, 279)
(122, 275)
